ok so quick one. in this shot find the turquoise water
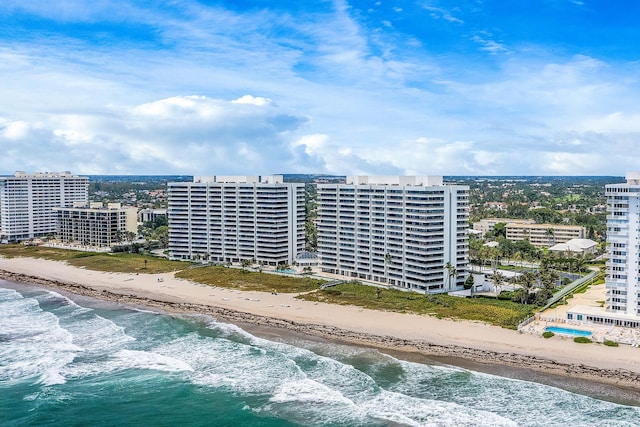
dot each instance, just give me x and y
(84, 362)
(568, 331)
(286, 271)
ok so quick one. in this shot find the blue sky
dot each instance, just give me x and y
(467, 87)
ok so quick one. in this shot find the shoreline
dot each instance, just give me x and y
(620, 377)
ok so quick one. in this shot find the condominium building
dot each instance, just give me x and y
(485, 225)
(623, 232)
(404, 231)
(96, 225)
(544, 235)
(235, 218)
(28, 202)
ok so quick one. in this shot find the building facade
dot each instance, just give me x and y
(544, 235)
(407, 231)
(485, 225)
(235, 218)
(146, 215)
(96, 225)
(28, 202)
(623, 232)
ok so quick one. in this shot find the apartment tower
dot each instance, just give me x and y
(97, 225)
(623, 234)
(405, 231)
(235, 218)
(28, 202)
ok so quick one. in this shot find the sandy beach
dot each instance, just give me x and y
(405, 332)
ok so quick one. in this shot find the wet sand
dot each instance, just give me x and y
(478, 343)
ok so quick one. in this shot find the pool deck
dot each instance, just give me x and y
(593, 297)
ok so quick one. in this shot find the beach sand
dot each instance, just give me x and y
(426, 335)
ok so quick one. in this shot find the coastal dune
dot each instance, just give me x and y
(386, 330)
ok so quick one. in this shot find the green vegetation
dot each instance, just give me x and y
(496, 312)
(547, 334)
(249, 281)
(582, 340)
(117, 263)
(54, 254)
(311, 214)
(558, 200)
(127, 263)
(610, 343)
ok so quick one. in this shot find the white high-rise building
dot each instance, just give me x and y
(28, 202)
(407, 231)
(235, 218)
(623, 234)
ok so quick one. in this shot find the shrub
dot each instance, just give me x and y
(610, 343)
(507, 296)
(547, 334)
(582, 340)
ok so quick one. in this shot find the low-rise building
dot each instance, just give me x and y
(485, 225)
(575, 247)
(96, 225)
(544, 235)
(146, 215)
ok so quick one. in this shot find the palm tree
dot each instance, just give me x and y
(483, 255)
(387, 261)
(548, 279)
(518, 257)
(580, 263)
(451, 269)
(497, 279)
(494, 255)
(246, 263)
(550, 233)
(527, 280)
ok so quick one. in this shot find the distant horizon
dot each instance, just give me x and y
(332, 175)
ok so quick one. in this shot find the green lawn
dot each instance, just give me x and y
(118, 262)
(496, 312)
(249, 281)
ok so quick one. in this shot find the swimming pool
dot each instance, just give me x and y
(286, 271)
(568, 331)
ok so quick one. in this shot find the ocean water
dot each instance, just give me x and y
(66, 363)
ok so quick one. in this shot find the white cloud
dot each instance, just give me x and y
(488, 45)
(438, 13)
(184, 134)
(613, 123)
(248, 99)
(14, 131)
